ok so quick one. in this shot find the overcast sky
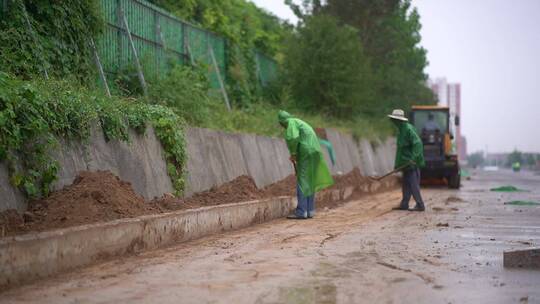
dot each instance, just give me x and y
(491, 47)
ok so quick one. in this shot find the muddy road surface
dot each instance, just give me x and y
(358, 253)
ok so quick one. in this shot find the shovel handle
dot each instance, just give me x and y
(293, 162)
(391, 172)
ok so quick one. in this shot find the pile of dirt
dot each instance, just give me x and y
(101, 196)
(93, 197)
(241, 189)
(285, 187)
(10, 222)
(352, 179)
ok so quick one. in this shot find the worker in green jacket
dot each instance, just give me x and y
(409, 157)
(312, 174)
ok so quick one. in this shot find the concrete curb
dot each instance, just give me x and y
(33, 256)
(38, 255)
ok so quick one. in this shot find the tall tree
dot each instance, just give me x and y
(390, 34)
(327, 68)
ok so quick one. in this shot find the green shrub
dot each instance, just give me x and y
(185, 91)
(34, 114)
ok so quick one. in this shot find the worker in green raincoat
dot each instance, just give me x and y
(312, 174)
(409, 157)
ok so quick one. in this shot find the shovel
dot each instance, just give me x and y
(389, 173)
(293, 162)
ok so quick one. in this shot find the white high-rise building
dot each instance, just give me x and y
(440, 87)
(449, 95)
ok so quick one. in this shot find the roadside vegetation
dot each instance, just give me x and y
(526, 160)
(36, 114)
(345, 64)
(338, 69)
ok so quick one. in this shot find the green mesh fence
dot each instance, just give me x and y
(157, 35)
(161, 38)
(267, 68)
(3, 7)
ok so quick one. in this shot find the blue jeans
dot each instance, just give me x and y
(411, 187)
(306, 204)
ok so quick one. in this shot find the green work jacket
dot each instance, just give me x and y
(312, 173)
(410, 149)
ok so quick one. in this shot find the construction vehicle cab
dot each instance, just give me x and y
(440, 152)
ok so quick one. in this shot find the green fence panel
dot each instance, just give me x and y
(3, 7)
(218, 46)
(268, 69)
(160, 40)
(198, 44)
(172, 36)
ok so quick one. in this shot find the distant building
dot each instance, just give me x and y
(496, 159)
(439, 87)
(462, 149)
(449, 95)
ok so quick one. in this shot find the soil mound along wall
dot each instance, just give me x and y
(101, 196)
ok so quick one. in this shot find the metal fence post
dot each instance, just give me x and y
(258, 69)
(184, 48)
(134, 50)
(161, 38)
(154, 37)
(221, 84)
(164, 50)
(188, 48)
(100, 68)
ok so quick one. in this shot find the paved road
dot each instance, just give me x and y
(359, 253)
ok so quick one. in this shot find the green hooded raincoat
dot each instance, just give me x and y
(312, 173)
(409, 146)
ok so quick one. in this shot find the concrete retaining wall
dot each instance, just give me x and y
(38, 255)
(214, 158)
(139, 162)
(347, 152)
(10, 197)
(217, 157)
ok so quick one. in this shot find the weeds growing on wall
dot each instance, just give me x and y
(34, 114)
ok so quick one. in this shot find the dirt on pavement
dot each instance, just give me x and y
(358, 253)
